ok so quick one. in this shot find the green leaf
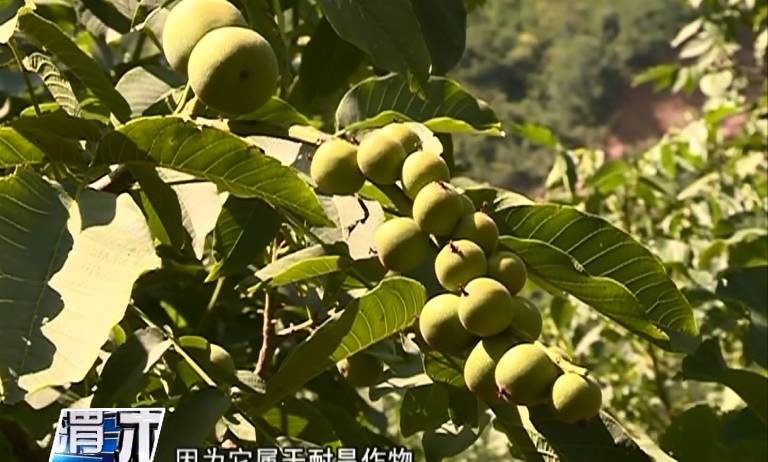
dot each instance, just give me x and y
(524, 438)
(700, 423)
(282, 264)
(123, 375)
(444, 368)
(143, 86)
(599, 439)
(448, 108)
(214, 155)
(610, 176)
(736, 435)
(24, 146)
(388, 32)
(67, 283)
(60, 124)
(327, 65)
(54, 80)
(423, 408)
(48, 35)
(602, 266)
(537, 134)
(243, 230)
(441, 444)
(193, 421)
(707, 365)
(161, 207)
(309, 268)
(739, 285)
(444, 24)
(275, 112)
(381, 312)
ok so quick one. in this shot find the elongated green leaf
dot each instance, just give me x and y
(60, 124)
(739, 285)
(327, 64)
(423, 408)
(123, 374)
(444, 24)
(602, 266)
(599, 439)
(54, 80)
(48, 35)
(527, 442)
(214, 155)
(144, 86)
(442, 443)
(68, 265)
(285, 262)
(25, 146)
(443, 368)
(243, 230)
(388, 32)
(388, 308)
(309, 269)
(448, 108)
(161, 207)
(192, 422)
(707, 365)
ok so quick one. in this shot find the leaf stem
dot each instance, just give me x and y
(182, 100)
(210, 309)
(27, 81)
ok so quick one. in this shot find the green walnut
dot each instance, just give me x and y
(509, 269)
(361, 370)
(380, 157)
(481, 363)
(189, 21)
(458, 263)
(213, 358)
(222, 360)
(400, 244)
(479, 228)
(233, 70)
(527, 322)
(440, 326)
(576, 398)
(525, 374)
(334, 168)
(403, 134)
(485, 307)
(438, 208)
(469, 206)
(422, 168)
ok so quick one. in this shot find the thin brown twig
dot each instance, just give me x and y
(267, 328)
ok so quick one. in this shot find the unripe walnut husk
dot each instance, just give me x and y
(509, 269)
(404, 135)
(479, 228)
(233, 70)
(525, 374)
(576, 397)
(526, 320)
(189, 21)
(458, 263)
(334, 168)
(380, 157)
(438, 208)
(400, 244)
(440, 326)
(481, 363)
(422, 168)
(485, 307)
